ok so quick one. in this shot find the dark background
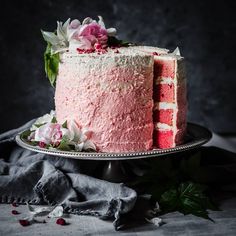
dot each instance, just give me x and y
(205, 31)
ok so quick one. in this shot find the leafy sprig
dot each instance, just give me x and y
(115, 42)
(187, 198)
(51, 64)
(172, 183)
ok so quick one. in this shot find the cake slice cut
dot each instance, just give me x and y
(170, 103)
(169, 96)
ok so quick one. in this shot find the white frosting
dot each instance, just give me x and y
(162, 126)
(164, 105)
(164, 80)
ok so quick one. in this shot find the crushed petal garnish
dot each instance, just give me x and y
(61, 221)
(14, 212)
(24, 222)
(85, 51)
(14, 204)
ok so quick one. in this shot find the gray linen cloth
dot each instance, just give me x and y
(26, 176)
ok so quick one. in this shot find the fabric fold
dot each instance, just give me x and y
(37, 178)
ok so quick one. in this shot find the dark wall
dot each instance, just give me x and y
(204, 31)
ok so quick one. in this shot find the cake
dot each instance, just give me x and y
(109, 94)
(130, 98)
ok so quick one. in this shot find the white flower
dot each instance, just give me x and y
(46, 132)
(79, 137)
(43, 120)
(59, 40)
(50, 133)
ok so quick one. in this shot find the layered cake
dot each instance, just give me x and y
(130, 98)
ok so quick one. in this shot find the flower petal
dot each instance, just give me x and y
(111, 32)
(87, 20)
(56, 212)
(101, 22)
(89, 145)
(66, 25)
(50, 37)
(60, 33)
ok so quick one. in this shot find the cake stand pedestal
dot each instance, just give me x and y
(114, 169)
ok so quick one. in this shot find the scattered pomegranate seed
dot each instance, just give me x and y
(155, 54)
(14, 204)
(14, 212)
(61, 221)
(24, 222)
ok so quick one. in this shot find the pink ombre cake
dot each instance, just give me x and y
(110, 95)
(129, 98)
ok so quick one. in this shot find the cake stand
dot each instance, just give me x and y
(114, 169)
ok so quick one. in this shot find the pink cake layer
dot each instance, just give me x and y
(110, 95)
(164, 93)
(169, 89)
(165, 68)
(163, 116)
(167, 138)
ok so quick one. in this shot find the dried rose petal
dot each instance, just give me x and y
(14, 212)
(14, 204)
(61, 221)
(42, 144)
(24, 222)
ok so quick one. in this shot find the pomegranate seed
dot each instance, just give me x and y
(24, 222)
(14, 212)
(61, 221)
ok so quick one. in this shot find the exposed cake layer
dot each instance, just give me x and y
(109, 94)
(170, 104)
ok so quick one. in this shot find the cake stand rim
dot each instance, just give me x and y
(191, 127)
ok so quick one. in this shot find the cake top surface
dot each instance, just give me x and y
(92, 39)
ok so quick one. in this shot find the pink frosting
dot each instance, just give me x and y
(111, 98)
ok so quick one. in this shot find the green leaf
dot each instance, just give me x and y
(54, 120)
(25, 134)
(64, 125)
(39, 125)
(64, 145)
(113, 41)
(51, 64)
(187, 198)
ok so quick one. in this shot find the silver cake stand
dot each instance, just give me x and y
(114, 169)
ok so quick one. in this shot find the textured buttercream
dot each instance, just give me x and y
(109, 94)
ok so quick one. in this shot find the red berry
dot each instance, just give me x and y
(14, 204)
(61, 221)
(14, 212)
(24, 222)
